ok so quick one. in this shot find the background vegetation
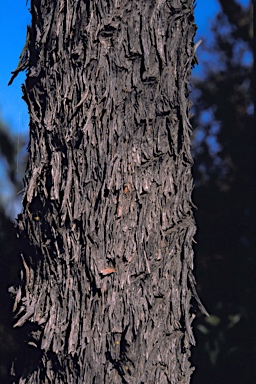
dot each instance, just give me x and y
(224, 174)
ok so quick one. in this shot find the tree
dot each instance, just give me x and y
(107, 223)
(224, 173)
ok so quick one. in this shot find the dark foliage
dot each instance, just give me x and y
(11, 344)
(225, 194)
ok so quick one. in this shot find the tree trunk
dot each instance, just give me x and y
(107, 225)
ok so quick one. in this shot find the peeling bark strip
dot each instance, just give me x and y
(107, 225)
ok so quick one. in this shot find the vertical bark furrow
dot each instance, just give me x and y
(108, 191)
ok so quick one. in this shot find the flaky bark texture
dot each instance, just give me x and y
(107, 225)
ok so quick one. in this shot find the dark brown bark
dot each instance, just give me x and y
(107, 225)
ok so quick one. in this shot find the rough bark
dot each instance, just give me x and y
(107, 225)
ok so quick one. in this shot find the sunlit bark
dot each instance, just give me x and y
(107, 225)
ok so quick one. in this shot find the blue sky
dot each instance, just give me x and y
(14, 18)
